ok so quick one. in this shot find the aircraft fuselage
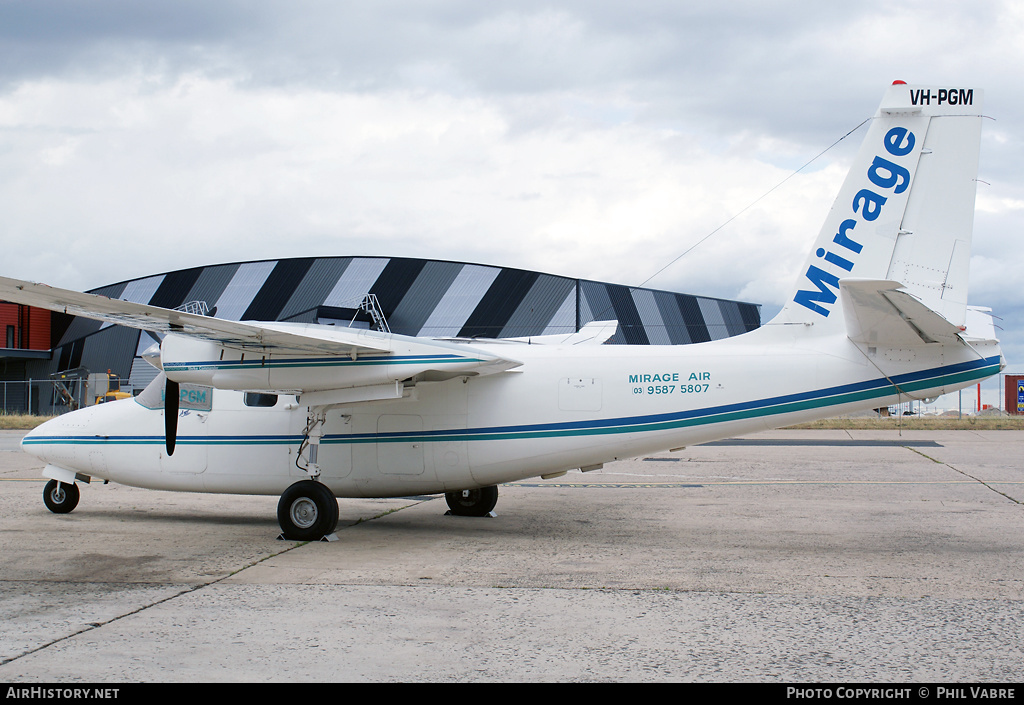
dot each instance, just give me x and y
(565, 408)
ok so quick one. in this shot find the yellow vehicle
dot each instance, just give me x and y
(72, 386)
(107, 387)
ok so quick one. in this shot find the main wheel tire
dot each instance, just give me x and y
(473, 503)
(307, 511)
(60, 497)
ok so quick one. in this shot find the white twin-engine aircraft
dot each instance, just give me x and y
(879, 316)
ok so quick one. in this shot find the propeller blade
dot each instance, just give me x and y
(171, 396)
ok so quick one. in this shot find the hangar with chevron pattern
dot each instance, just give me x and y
(418, 297)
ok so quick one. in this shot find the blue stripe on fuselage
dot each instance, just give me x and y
(819, 398)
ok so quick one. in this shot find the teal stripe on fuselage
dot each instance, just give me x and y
(664, 422)
(773, 406)
(316, 363)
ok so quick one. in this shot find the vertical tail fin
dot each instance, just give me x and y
(906, 210)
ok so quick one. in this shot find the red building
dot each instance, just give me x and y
(1014, 394)
(24, 327)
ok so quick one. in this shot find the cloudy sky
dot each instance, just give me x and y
(588, 138)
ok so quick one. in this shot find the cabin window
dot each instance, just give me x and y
(10, 336)
(257, 399)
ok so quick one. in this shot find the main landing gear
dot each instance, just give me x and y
(472, 503)
(308, 511)
(60, 497)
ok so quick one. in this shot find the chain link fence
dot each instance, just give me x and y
(45, 397)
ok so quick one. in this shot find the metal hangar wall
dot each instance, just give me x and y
(417, 297)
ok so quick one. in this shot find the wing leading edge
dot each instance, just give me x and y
(255, 356)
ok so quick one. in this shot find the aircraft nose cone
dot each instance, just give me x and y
(34, 442)
(49, 440)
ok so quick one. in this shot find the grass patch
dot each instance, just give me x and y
(920, 423)
(27, 422)
(23, 422)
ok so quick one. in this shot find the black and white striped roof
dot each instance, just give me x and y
(418, 297)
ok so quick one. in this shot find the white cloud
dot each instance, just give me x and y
(204, 170)
(997, 205)
(579, 138)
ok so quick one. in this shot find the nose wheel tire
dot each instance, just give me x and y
(472, 503)
(308, 511)
(60, 497)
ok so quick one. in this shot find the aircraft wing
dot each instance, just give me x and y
(878, 312)
(369, 353)
(267, 336)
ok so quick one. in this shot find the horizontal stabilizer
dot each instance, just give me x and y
(878, 312)
(980, 324)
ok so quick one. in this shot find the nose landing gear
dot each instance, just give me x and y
(60, 497)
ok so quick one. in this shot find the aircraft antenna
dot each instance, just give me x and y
(752, 204)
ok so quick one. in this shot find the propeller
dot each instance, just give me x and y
(171, 397)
